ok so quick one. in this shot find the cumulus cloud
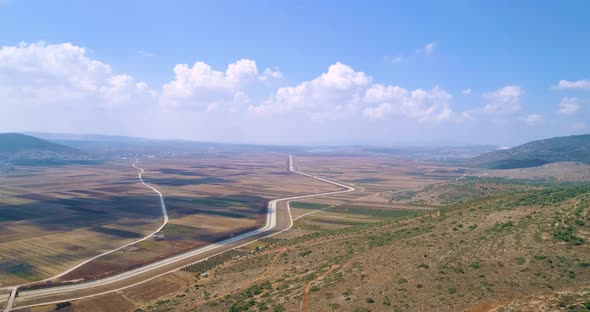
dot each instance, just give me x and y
(578, 84)
(339, 89)
(422, 105)
(200, 87)
(271, 74)
(342, 90)
(533, 119)
(466, 91)
(428, 49)
(42, 74)
(568, 106)
(62, 83)
(505, 100)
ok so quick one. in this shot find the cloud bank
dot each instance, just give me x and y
(60, 87)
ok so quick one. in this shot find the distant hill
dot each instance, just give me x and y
(18, 143)
(575, 148)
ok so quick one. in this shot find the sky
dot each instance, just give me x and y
(298, 72)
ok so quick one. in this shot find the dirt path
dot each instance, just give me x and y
(308, 287)
(272, 262)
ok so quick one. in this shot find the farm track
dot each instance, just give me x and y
(52, 295)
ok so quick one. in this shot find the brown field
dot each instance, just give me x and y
(4, 293)
(208, 199)
(54, 217)
(374, 176)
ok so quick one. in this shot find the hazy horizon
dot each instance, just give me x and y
(59, 136)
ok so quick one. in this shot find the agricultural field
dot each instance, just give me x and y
(376, 176)
(54, 217)
(208, 199)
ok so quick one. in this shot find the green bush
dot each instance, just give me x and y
(423, 266)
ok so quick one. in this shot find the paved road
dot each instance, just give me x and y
(132, 278)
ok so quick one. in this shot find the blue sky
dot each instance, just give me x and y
(396, 73)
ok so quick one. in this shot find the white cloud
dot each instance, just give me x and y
(202, 88)
(64, 89)
(335, 91)
(418, 104)
(379, 111)
(568, 106)
(42, 74)
(342, 91)
(428, 49)
(271, 74)
(579, 84)
(505, 100)
(533, 119)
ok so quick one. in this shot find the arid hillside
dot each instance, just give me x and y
(518, 252)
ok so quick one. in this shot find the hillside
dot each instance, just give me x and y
(524, 252)
(575, 148)
(18, 143)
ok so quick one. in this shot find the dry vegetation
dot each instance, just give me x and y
(461, 189)
(496, 253)
(560, 171)
(518, 252)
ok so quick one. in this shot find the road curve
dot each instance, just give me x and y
(165, 221)
(219, 247)
(14, 289)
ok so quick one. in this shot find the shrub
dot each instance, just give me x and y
(304, 253)
(540, 257)
(386, 301)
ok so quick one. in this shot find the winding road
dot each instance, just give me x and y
(275, 223)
